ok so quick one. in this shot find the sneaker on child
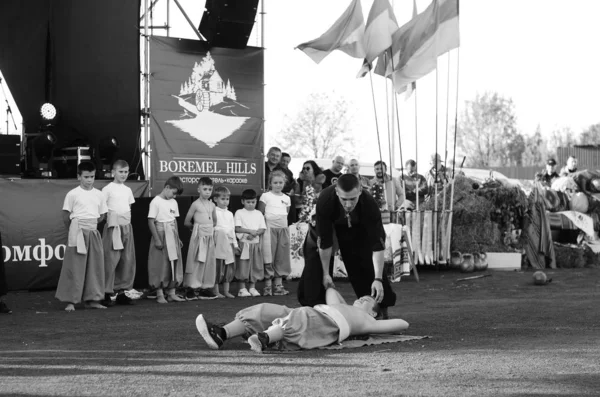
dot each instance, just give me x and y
(243, 293)
(213, 334)
(254, 292)
(279, 290)
(206, 294)
(268, 291)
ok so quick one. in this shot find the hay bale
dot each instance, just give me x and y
(568, 256)
(475, 211)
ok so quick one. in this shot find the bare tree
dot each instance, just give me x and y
(321, 129)
(562, 137)
(488, 132)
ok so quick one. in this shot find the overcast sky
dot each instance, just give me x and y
(542, 54)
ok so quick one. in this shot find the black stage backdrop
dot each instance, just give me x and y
(207, 114)
(92, 73)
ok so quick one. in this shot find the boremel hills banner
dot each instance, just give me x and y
(207, 114)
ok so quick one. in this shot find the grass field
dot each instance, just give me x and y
(495, 336)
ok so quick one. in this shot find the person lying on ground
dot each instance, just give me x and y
(302, 327)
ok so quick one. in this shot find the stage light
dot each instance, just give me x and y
(48, 112)
(107, 151)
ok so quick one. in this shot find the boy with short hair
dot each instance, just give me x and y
(82, 272)
(117, 239)
(226, 245)
(165, 264)
(249, 227)
(200, 268)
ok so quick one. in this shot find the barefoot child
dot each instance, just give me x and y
(226, 245)
(249, 227)
(82, 272)
(117, 239)
(275, 206)
(165, 264)
(200, 265)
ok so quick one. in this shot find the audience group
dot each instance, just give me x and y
(401, 191)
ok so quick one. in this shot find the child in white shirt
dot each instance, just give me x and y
(200, 266)
(117, 239)
(226, 245)
(275, 206)
(165, 264)
(82, 272)
(249, 227)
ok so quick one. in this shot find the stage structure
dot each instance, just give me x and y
(203, 111)
(84, 59)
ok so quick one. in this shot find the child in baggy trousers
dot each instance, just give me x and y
(226, 245)
(249, 227)
(82, 272)
(200, 266)
(275, 205)
(165, 264)
(117, 238)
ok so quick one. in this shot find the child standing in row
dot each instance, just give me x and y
(200, 269)
(249, 227)
(165, 265)
(82, 272)
(275, 206)
(117, 239)
(226, 245)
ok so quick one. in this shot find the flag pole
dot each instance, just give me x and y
(375, 112)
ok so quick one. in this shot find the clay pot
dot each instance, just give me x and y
(483, 265)
(468, 264)
(476, 261)
(455, 259)
(540, 278)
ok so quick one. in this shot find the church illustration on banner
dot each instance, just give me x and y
(209, 105)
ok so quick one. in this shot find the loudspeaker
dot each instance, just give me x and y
(10, 154)
(228, 23)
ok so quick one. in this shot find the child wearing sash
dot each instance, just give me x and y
(200, 267)
(117, 239)
(82, 272)
(249, 227)
(165, 264)
(275, 205)
(226, 245)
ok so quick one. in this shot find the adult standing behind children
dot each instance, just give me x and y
(226, 245)
(249, 227)
(82, 273)
(200, 266)
(165, 264)
(334, 172)
(117, 239)
(275, 206)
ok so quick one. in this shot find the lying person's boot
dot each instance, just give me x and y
(123, 299)
(213, 335)
(259, 342)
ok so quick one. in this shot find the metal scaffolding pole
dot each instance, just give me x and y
(146, 112)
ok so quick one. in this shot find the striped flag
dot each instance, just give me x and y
(346, 34)
(417, 44)
(381, 25)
